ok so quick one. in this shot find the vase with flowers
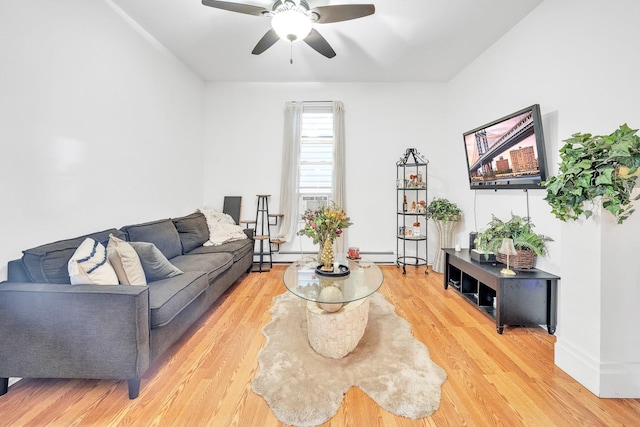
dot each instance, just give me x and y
(324, 225)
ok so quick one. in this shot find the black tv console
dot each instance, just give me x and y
(528, 298)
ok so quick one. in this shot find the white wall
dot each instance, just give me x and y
(100, 127)
(243, 146)
(573, 58)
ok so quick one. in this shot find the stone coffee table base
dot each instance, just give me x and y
(337, 334)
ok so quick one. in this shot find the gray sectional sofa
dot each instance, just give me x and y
(52, 329)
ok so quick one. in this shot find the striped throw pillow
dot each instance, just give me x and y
(89, 265)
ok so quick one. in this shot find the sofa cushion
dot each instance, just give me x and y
(155, 265)
(161, 233)
(125, 262)
(237, 248)
(49, 263)
(193, 231)
(89, 265)
(212, 264)
(168, 297)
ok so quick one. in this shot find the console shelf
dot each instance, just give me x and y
(528, 298)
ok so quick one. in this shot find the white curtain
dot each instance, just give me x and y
(339, 172)
(290, 171)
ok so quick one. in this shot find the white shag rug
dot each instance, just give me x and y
(303, 388)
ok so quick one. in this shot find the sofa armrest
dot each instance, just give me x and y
(16, 271)
(65, 331)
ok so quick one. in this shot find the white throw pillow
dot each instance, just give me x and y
(125, 262)
(89, 265)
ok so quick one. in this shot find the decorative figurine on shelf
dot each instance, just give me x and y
(404, 204)
(414, 207)
(422, 207)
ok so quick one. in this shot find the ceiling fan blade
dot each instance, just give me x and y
(237, 7)
(268, 40)
(345, 12)
(319, 44)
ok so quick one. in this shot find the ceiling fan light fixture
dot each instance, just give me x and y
(291, 25)
(294, 20)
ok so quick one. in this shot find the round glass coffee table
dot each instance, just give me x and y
(337, 307)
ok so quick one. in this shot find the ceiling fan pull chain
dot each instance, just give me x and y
(291, 53)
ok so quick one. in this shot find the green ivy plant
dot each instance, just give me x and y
(593, 166)
(518, 228)
(441, 209)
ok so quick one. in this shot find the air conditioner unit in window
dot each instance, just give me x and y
(313, 202)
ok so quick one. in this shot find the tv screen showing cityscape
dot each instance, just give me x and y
(507, 153)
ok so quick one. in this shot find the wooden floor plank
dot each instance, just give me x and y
(205, 379)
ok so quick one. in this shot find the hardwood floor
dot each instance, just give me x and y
(501, 380)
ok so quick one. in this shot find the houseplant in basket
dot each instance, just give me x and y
(446, 215)
(528, 244)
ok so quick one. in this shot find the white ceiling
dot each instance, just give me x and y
(407, 40)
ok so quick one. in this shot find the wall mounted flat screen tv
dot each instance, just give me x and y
(507, 153)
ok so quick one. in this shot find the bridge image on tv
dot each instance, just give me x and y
(504, 152)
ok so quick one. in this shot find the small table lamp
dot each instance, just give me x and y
(507, 249)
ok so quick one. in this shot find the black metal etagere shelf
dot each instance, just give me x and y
(411, 210)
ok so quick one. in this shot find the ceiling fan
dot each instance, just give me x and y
(292, 20)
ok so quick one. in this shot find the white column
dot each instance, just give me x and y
(598, 342)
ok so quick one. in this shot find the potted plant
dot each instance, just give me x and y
(446, 216)
(528, 244)
(441, 209)
(593, 166)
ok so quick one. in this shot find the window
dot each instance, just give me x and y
(315, 179)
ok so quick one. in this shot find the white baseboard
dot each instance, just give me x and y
(12, 381)
(605, 380)
(579, 365)
(620, 380)
(377, 257)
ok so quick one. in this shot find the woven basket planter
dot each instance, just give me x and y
(523, 260)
